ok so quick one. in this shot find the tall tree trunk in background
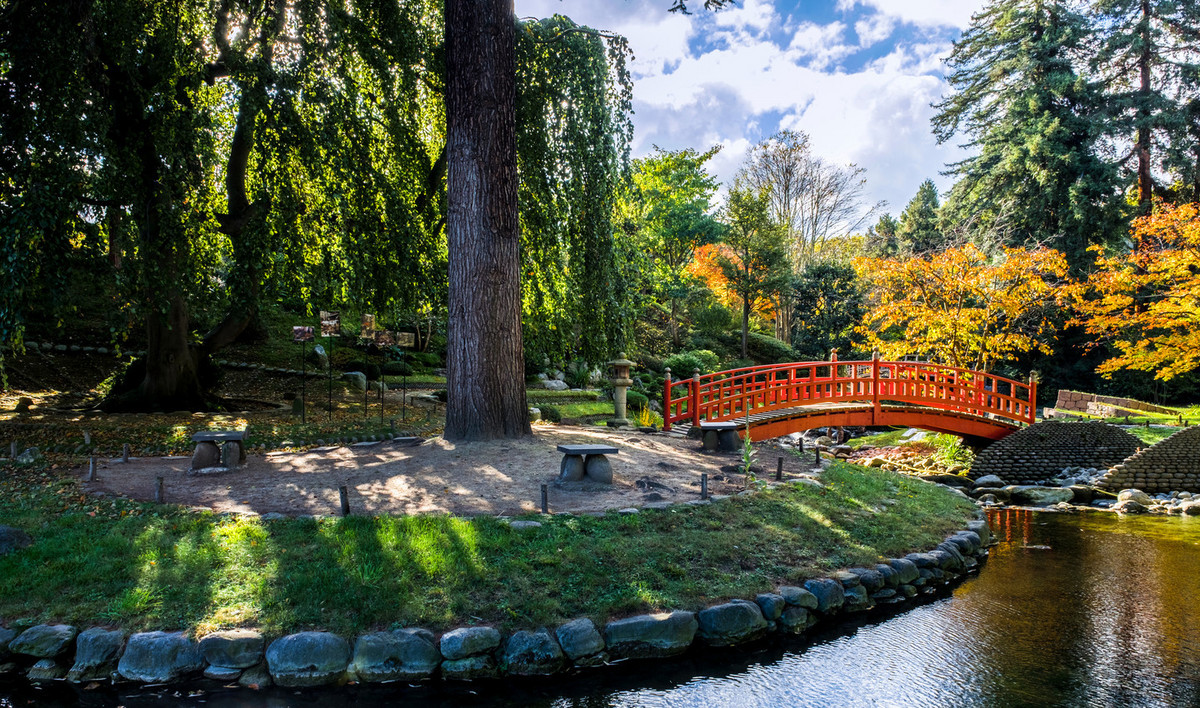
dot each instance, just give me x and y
(745, 325)
(1145, 181)
(485, 356)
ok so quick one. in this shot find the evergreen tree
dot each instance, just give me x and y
(881, 238)
(1151, 67)
(918, 230)
(1035, 123)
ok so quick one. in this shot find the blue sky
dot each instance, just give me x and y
(856, 75)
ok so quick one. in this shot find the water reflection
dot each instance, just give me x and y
(1087, 610)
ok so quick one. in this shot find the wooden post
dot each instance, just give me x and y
(800, 444)
(667, 401)
(817, 456)
(125, 452)
(1032, 398)
(12, 450)
(91, 476)
(158, 490)
(704, 485)
(345, 499)
(545, 499)
(779, 471)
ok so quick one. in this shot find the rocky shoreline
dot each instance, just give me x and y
(309, 659)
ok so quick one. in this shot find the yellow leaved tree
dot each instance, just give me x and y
(1145, 301)
(960, 307)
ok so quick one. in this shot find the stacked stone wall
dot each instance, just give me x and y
(1077, 402)
(1172, 465)
(1039, 452)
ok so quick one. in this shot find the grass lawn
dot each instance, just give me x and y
(140, 566)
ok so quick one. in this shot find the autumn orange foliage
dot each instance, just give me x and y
(1145, 302)
(705, 267)
(961, 308)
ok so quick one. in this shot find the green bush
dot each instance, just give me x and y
(551, 414)
(635, 400)
(713, 318)
(341, 358)
(425, 360)
(768, 350)
(684, 363)
(651, 363)
(397, 368)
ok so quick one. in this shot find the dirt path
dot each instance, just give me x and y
(464, 479)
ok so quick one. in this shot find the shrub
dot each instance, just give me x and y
(397, 368)
(684, 363)
(713, 318)
(651, 363)
(768, 350)
(425, 360)
(551, 413)
(636, 400)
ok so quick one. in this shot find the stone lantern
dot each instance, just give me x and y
(621, 382)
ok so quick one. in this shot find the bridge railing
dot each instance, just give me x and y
(727, 395)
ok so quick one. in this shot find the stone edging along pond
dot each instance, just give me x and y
(56, 652)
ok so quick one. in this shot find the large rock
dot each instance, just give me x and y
(44, 641)
(731, 623)
(1136, 495)
(580, 638)
(532, 653)
(356, 379)
(308, 659)
(6, 636)
(989, 480)
(651, 636)
(1039, 496)
(401, 655)
(830, 595)
(207, 454)
(233, 648)
(1129, 506)
(799, 597)
(318, 357)
(96, 653)
(480, 666)
(160, 657)
(45, 670)
(796, 619)
(13, 539)
(555, 385)
(906, 570)
(869, 578)
(469, 641)
(980, 527)
(772, 605)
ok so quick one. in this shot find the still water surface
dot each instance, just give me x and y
(1088, 610)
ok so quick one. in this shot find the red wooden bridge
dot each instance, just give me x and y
(789, 398)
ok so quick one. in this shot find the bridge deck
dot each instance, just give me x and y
(788, 420)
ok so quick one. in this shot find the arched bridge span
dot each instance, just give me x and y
(787, 398)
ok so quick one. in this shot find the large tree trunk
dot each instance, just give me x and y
(485, 358)
(1145, 180)
(745, 325)
(172, 380)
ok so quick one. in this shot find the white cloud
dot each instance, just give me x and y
(923, 13)
(735, 77)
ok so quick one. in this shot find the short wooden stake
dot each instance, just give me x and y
(158, 490)
(125, 452)
(545, 499)
(12, 450)
(779, 470)
(91, 468)
(87, 438)
(345, 495)
(817, 456)
(704, 485)
(800, 444)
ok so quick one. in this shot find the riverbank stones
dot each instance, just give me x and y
(399, 655)
(731, 623)
(468, 653)
(6, 636)
(308, 659)
(656, 635)
(772, 605)
(45, 670)
(97, 651)
(829, 593)
(1038, 496)
(160, 657)
(534, 653)
(799, 597)
(44, 641)
(906, 570)
(581, 642)
(230, 651)
(871, 580)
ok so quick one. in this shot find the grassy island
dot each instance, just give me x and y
(139, 565)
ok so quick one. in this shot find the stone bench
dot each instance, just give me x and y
(218, 448)
(586, 463)
(720, 436)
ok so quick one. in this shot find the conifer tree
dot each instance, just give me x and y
(1035, 124)
(918, 230)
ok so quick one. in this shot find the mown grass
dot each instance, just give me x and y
(140, 565)
(541, 395)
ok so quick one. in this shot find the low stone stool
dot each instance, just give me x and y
(721, 436)
(222, 448)
(586, 463)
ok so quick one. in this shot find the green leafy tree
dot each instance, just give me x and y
(918, 231)
(1149, 58)
(671, 203)
(881, 240)
(753, 259)
(830, 304)
(1035, 124)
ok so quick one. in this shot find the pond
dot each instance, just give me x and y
(1070, 610)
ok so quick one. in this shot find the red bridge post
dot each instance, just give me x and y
(695, 404)
(667, 401)
(875, 413)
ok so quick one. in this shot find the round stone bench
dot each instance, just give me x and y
(720, 436)
(218, 448)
